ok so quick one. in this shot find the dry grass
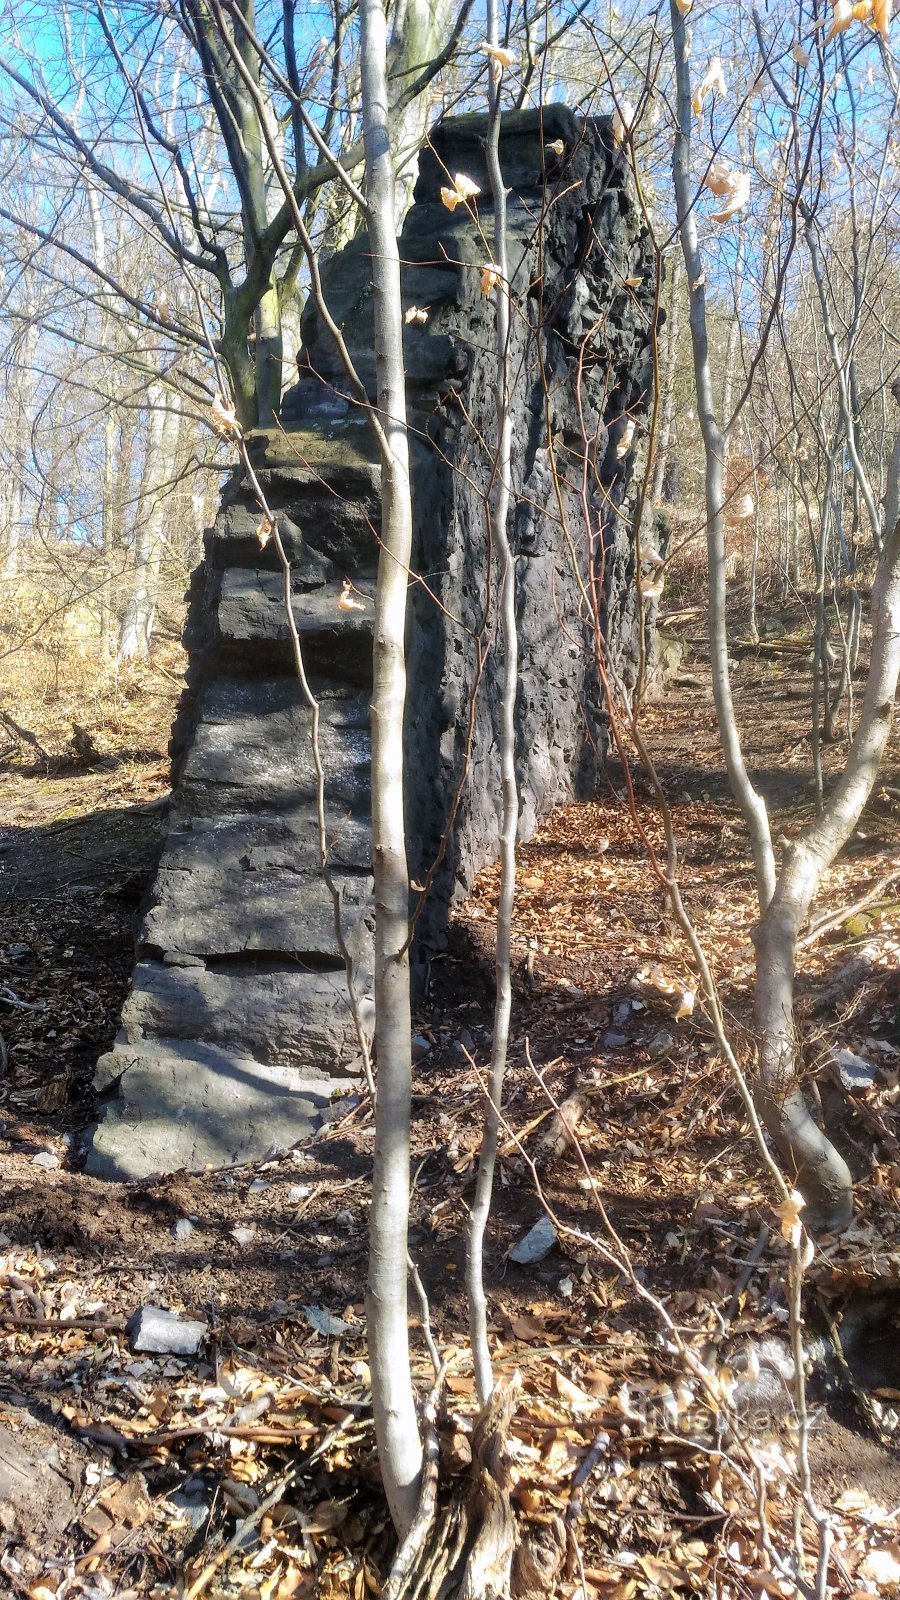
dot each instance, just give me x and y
(99, 733)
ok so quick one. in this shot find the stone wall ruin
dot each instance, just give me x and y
(237, 1029)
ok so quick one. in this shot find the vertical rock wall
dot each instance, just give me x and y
(238, 1028)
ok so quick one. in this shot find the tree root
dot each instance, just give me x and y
(475, 1548)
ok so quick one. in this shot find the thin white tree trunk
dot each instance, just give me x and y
(752, 804)
(508, 644)
(12, 502)
(892, 487)
(668, 384)
(823, 1176)
(136, 628)
(20, 396)
(109, 510)
(821, 1173)
(420, 30)
(396, 1428)
(731, 343)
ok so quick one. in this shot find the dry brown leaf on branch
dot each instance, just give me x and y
(841, 19)
(463, 190)
(623, 120)
(738, 195)
(224, 418)
(713, 79)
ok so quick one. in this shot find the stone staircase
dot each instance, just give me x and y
(238, 1028)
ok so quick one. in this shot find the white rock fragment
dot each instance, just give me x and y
(242, 1235)
(660, 1045)
(855, 1072)
(165, 1332)
(324, 1322)
(535, 1244)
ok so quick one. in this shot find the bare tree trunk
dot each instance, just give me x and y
(508, 645)
(752, 624)
(892, 487)
(822, 1174)
(751, 803)
(668, 386)
(109, 507)
(731, 343)
(20, 394)
(420, 28)
(12, 498)
(269, 352)
(396, 1429)
(162, 458)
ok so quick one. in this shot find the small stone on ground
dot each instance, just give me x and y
(164, 1332)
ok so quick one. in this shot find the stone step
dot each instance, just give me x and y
(252, 635)
(270, 1010)
(263, 839)
(336, 452)
(217, 913)
(251, 748)
(341, 533)
(189, 1104)
(327, 483)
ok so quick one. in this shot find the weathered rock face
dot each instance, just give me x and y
(238, 1027)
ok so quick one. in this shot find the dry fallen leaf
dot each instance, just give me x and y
(663, 985)
(662, 1576)
(882, 1565)
(581, 1403)
(720, 178)
(498, 56)
(788, 1214)
(685, 1005)
(490, 277)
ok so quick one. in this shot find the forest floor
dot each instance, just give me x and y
(129, 1474)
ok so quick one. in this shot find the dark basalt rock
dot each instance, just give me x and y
(240, 999)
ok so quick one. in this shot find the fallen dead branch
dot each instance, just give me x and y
(833, 919)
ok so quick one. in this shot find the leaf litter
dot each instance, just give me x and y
(249, 1469)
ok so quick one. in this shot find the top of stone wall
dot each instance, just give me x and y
(458, 144)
